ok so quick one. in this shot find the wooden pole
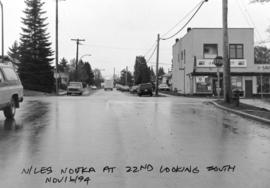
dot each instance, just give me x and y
(56, 47)
(156, 88)
(226, 70)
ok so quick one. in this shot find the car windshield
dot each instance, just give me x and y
(146, 86)
(76, 84)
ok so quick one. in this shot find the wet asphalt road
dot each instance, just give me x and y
(120, 130)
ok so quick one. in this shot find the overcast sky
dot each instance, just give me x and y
(116, 31)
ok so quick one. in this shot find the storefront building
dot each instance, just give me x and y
(194, 72)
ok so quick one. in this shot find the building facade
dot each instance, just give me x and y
(195, 73)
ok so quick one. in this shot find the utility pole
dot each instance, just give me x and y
(77, 54)
(226, 69)
(126, 75)
(2, 11)
(56, 47)
(156, 88)
(113, 74)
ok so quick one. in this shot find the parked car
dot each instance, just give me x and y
(11, 90)
(133, 89)
(75, 88)
(124, 88)
(93, 87)
(163, 87)
(118, 86)
(145, 89)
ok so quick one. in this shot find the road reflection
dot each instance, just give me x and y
(10, 124)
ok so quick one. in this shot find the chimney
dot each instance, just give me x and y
(176, 40)
(188, 29)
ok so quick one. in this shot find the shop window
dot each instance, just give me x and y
(236, 82)
(236, 51)
(263, 85)
(210, 51)
(203, 84)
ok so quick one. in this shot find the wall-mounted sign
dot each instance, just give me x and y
(263, 67)
(238, 63)
(200, 79)
(210, 63)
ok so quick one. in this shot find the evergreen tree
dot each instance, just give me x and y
(14, 51)
(125, 74)
(142, 73)
(89, 73)
(63, 65)
(161, 72)
(35, 70)
(98, 79)
(153, 75)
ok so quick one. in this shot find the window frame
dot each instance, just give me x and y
(210, 44)
(235, 50)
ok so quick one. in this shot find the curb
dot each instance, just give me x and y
(257, 118)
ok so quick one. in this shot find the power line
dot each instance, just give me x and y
(181, 19)
(113, 47)
(152, 54)
(197, 10)
(248, 18)
(150, 49)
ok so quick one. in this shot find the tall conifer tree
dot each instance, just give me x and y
(35, 70)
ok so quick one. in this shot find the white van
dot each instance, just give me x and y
(108, 84)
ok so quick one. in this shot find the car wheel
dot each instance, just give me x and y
(10, 110)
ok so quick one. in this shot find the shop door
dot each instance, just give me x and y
(248, 88)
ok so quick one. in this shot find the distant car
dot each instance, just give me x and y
(133, 89)
(124, 88)
(11, 90)
(93, 87)
(163, 87)
(118, 86)
(75, 88)
(145, 89)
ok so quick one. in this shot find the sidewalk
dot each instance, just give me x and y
(255, 109)
(257, 102)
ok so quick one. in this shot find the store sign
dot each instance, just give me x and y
(200, 79)
(263, 67)
(238, 63)
(206, 63)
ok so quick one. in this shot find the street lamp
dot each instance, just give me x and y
(85, 55)
(218, 61)
(2, 10)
